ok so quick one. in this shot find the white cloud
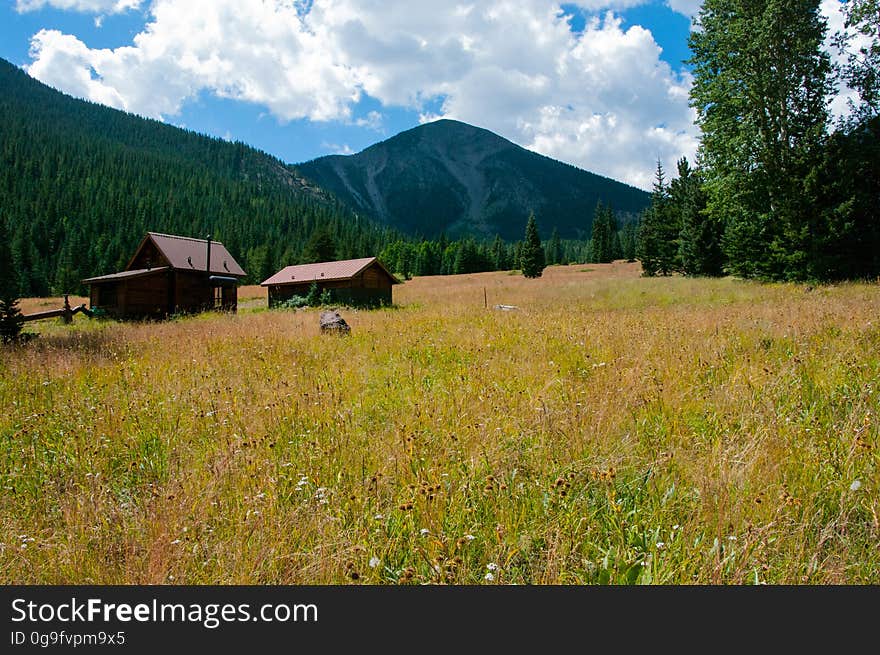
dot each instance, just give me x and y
(336, 149)
(86, 6)
(373, 121)
(601, 99)
(689, 8)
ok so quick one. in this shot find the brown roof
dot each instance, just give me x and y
(342, 270)
(185, 253)
(125, 275)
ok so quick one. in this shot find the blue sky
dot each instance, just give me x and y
(599, 84)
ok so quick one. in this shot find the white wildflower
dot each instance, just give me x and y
(856, 485)
(424, 532)
(489, 576)
(492, 566)
(374, 562)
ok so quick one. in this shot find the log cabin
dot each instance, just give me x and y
(355, 282)
(167, 275)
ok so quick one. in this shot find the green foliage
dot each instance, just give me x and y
(861, 71)
(761, 79)
(532, 254)
(553, 254)
(321, 247)
(313, 298)
(11, 321)
(699, 240)
(604, 249)
(657, 246)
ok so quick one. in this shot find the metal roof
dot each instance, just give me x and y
(126, 275)
(187, 254)
(341, 270)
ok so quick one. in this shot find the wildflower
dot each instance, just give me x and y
(489, 576)
(856, 485)
(424, 532)
(374, 562)
(175, 542)
(492, 566)
(469, 537)
(661, 545)
(379, 517)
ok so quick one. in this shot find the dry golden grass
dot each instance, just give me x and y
(610, 429)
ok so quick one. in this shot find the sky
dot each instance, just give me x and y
(601, 84)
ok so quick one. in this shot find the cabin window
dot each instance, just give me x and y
(218, 297)
(107, 295)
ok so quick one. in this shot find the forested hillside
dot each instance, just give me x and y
(80, 184)
(453, 178)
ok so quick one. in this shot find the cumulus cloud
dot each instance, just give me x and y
(689, 8)
(601, 99)
(85, 6)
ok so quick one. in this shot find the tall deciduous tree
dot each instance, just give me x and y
(532, 253)
(761, 83)
(861, 39)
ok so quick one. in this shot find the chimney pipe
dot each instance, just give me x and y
(208, 264)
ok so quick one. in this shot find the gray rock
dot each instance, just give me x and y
(332, 322)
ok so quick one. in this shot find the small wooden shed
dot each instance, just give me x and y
(169, 274)
(355, 282)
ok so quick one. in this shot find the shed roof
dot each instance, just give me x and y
(188, 254)
(341, 270)
(125, 275)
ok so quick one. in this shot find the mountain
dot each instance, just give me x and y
(80, 185)
(451, 177)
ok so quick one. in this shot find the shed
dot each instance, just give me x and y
(169, 274)
(356, 282)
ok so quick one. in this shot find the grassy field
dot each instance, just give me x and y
(611, 429)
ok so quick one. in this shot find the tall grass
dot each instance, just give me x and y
(611, 429)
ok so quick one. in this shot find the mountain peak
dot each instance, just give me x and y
(453, 177)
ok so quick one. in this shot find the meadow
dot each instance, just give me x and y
(609, 429)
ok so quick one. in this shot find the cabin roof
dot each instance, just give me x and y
(324, 271)
(188, 254)
(125, 275)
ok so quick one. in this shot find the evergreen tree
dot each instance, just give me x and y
(553, 254)
(11, 321)
(657, 246)
(761, 83)
(321, 247)
(500, 259)
(532, 253)
(628, 241)
(699, 239)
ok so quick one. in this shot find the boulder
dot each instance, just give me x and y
(333, 323)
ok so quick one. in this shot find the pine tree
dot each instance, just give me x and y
(553, 254)
(532, 253)
(657, 245)
(699, 238)
(628, 241)
(11, 321)
(321, 247)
